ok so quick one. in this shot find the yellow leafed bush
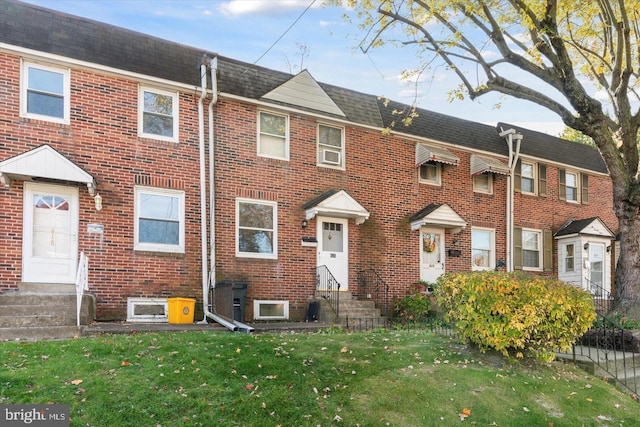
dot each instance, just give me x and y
(514, 313)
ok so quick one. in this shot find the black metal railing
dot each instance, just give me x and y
(328, 288)
(602, 299)
(372, 287)
(607, 349)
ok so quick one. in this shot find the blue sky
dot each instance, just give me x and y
(320, 41)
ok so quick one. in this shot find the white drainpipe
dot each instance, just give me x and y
(211, 280)
(514, 154)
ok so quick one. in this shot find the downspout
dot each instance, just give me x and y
(514, 154)
(203, 200)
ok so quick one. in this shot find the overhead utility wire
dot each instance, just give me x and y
(282, 35)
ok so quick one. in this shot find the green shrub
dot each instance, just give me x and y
(413, 307)
(514, 313)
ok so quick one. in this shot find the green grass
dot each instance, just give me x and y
(382, 378)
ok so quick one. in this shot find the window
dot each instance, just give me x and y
(256, 234)
(483, 183)
(158, 114)
(330, 146)
(569, 257)
(573, 186)
(430, 173)
(482, 249)
(45, 93)
(159, 220)
(269, 310)
(527, 178)
(273, 135)
(531, 249)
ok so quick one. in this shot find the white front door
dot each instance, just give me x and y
(50, 233)
(597, 269)
(431, 254)
(333, 248)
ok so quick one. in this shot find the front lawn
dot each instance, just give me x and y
(381, 378)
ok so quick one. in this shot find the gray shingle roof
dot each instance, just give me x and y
(58, 33)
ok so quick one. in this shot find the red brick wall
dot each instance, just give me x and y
(102, 139)
(380, 174)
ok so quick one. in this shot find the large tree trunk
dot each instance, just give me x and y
(627, 280)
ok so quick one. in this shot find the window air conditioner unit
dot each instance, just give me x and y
(331, 157)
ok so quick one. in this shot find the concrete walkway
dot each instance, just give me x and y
(98, 328)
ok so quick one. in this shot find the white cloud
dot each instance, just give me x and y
(234, 8)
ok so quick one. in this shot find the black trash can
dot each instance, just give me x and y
(231, 298)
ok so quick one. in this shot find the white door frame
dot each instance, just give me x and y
(336, 262)
(60, 264)
(430, 273)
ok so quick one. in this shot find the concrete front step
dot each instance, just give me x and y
(20, 310)
(39, 333)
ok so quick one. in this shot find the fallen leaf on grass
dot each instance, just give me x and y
(249, 386)
(125, 363)
(76, 382)
(344, 350)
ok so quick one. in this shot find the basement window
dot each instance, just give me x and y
(147, 310)
(270, 310)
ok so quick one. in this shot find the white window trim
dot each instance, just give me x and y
(438, 180)
(286, 136)
(492, 254)
(540, 250)
(133, 302)
(342, 164)
(274, 205)
(256, 310)
(565, 257)
(175, 114)
(577, 200)
(66, 93)
(489, 183)
(534, 168)
(158, 247)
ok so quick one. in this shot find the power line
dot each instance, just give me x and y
(282, 35)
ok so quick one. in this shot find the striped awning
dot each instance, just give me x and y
(481, 164)
(426, 153)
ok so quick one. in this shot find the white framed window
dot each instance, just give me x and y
(330, 146)
(45, 93)
(571, 186)
(270, 310)
(273, 135)
(430, 173)
(159, 219)
(147, 310)
(483, 248)
(528, 178)
(569, 257)
(483, 183)
(158, 114)
(256, 229)
(531, 249)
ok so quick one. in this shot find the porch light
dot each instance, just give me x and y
(608, 248)
(304, 223)
(98, 202)
(586, 246)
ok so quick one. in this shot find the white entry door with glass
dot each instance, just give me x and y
(50, 233)
(431, 254)
(597, 269)
(333, 248)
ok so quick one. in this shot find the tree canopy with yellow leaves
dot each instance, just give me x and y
(560, 54)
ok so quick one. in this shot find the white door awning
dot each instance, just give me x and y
(43, 162)
(438, 215)
(338, 204)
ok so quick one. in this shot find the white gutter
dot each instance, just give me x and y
(514, 154)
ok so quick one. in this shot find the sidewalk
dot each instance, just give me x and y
(98, 328)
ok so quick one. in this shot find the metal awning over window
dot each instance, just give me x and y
(426, 153)
(481, 164)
